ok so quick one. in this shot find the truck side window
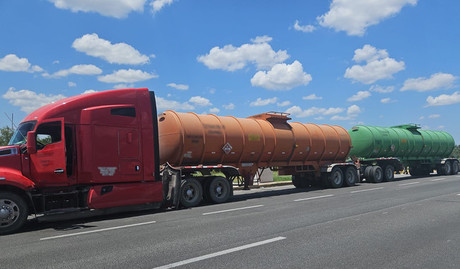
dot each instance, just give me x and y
(48, 133)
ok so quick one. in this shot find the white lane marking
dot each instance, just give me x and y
(96, 231)
(438, 179)
(220, 253)
(311, 198)
(373, 189)
(406, 184)
(230, 210)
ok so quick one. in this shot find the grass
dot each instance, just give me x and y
(277, 178)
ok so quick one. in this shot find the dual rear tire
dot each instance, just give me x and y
(216, 190)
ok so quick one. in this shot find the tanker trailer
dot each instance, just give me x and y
(190, 142)
(380, 151)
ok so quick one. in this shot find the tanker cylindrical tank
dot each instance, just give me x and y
(403, 141)
(262, 140)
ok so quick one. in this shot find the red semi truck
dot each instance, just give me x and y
(102, 150)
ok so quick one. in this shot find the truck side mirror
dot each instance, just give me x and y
(31, 143)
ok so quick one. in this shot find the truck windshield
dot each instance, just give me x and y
(20, 135)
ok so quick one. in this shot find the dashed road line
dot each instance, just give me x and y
(438, 179)
(407, 184)
(97, 231)
(230, 210)
(373, 189)
(220, 253)
(312, 198)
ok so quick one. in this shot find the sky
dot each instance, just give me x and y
(337, 62)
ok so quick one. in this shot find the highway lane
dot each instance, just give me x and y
(411, 222)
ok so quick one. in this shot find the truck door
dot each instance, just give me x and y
(48, 164)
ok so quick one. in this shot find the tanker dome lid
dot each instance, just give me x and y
(410, 126)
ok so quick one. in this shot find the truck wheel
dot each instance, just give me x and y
(367, 173)
(388, 173)
(351, 176)
(376, 174)
(218, 190)
(13, 212)
(336, 178)
(447, 168)
(455, 167)
(191, 192)
(300, 182)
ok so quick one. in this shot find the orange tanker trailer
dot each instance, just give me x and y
(239, 146)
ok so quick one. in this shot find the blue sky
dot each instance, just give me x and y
(339, 62)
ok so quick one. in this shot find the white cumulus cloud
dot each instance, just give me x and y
(181, 87)
(214, 110)
(28, 101)
(284, 103)
(264, 102)
(230, 58)
(435, 82)
(385, 100)
(381, 89)
(282, 77)
(164, 104)
(109, 8)
(352, 112)
(127, 76)
(443, 99)
(312, 97)
(119, 53)
(81, 69)
(230, 106)
(157, 5)
(300, 113)
(13, 63)
(378, 65)
(354, 16)
(303, 28)
(359, 96)
(200, 101)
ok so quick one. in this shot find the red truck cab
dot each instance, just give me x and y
(90, 151)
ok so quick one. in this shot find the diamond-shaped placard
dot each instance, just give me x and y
(227, 148)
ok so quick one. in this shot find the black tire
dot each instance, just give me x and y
(218, 190)
(447, 168)
(376, 174)
(351, 176)
(388, 173)
(455, 167)
(13, 212)
(336, 178)
(300, 182)
(191, 192)
(367, 173)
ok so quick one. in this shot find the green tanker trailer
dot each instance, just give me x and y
(379, 151)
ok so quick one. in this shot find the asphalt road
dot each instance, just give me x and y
(407, 223)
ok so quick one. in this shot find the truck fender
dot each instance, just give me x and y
(11, 177)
